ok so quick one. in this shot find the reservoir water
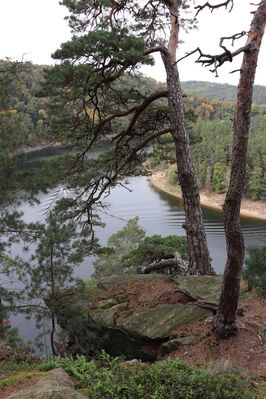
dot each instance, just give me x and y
(158, 213)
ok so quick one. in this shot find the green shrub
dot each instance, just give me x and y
(171, 173)
(218, 178)
(254, 271)
(256, 184)
(169, 379)
(153, 249)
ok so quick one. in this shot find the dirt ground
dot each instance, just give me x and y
(247, 350)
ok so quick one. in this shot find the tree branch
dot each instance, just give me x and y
(110, 179)
(143, 106)
(213, 7)
(160, 49)
(218, 59)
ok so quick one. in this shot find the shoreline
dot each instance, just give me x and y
(249, 208)
(39, 147)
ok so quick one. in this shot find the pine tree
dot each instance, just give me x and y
(93, 99)
(60, 248)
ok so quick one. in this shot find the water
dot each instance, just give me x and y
(158, 213)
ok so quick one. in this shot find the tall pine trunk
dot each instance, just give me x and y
(225, 324)
(199, 262)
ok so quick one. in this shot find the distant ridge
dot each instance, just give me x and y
(221, 91)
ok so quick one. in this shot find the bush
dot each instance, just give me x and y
(172, 177)
(153, 249)
(254, 271)
(171, 379)
(218, 178)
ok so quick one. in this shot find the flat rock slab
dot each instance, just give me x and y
(58, 385)
(159, 322)
(207, 288)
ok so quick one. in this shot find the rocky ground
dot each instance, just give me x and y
(246, 350)
(161, 316)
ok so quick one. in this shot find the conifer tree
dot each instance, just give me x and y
(60, 248)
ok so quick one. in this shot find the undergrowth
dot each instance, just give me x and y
(171, 379)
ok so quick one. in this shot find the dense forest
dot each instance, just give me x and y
(221, 91)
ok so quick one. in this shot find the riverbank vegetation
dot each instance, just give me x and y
(211, 146)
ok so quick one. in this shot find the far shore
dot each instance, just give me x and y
(249, 208)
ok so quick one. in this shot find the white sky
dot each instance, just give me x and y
(33, 29)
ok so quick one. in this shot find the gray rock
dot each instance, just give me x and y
(159, 322)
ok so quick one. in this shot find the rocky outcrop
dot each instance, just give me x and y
(134, 315)
(57, 385)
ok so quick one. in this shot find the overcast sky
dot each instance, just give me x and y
(34, 29)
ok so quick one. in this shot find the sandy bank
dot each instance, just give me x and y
(249, 208)
(26, 149)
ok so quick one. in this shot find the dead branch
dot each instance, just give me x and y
(216, 60)
(236, 70)
(234, 37)
(213, 7)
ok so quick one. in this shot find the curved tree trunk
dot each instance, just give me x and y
(199, 262)
(224, 324)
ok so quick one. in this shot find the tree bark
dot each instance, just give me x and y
(199, 262)
(225, 322)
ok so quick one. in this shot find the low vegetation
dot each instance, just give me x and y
(113, 378)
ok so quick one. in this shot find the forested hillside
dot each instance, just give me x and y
(211, 129)
(26, 117)
(219, 91)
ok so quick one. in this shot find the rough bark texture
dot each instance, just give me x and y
(225, 324)
(199, 262)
